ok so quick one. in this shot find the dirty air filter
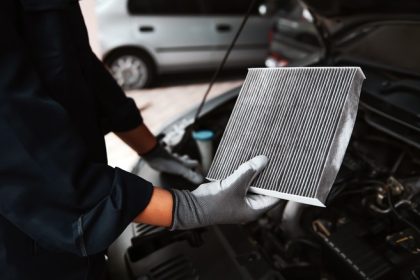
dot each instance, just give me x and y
(301, 119)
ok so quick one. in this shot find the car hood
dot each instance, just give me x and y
(345, 8)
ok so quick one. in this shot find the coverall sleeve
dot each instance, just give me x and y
(117, 111)
(48, 189)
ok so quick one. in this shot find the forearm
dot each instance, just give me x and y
(139, 139)
(159, 210)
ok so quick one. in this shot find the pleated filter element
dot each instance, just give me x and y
(301, 119)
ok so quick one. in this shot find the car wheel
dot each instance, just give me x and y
(131, 70)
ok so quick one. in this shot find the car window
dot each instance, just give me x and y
(164, 7)
(198, 7)
(228, 7)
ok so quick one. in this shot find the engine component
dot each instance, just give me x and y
(222, 252)
(404, 240)
(375, 237)
(204, 139)
(351, 253)
(301, 119)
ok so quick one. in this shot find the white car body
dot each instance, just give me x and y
(182, 42)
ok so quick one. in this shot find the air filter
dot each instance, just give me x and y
(301, 119)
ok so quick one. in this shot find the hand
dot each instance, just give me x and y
(222, 202)
(162, 160)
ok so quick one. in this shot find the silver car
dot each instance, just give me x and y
(144, 38)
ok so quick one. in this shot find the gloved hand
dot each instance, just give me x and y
(224, 201)
(162, 160)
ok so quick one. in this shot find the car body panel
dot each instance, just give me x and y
(182, 42)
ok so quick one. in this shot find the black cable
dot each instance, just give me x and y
(397, 163)
(398, 215)
(222, 64)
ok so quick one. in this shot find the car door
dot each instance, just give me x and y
(175, 31)
(252, 45)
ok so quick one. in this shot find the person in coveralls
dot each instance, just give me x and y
(61, 205)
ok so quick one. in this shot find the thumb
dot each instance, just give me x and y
(246, 172)
(261, 203)
(188, 162)
(190, 175)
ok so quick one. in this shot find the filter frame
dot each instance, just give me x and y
(341, 121)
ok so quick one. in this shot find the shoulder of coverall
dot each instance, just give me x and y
(42, 5)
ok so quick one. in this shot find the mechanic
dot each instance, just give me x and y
(61, 205)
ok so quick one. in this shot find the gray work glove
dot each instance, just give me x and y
(162, 160)
(222, 202)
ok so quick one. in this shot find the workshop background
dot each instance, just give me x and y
(159, 105)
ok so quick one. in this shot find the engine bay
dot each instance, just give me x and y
(370, 228)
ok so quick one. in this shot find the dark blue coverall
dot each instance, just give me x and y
(61, 206)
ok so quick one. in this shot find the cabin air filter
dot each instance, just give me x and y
(301, 119)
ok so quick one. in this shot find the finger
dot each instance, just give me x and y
(259, 202)
(243, 176)
(190, 175)
(191, 163)
(193, 177)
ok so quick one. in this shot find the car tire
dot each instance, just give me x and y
(131, 69)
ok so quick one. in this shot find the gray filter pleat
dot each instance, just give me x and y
(301, 119)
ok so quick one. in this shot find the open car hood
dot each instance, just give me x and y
(344, 8)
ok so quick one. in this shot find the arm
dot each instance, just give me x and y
(159, 210)
(145, 144)
(119, 113)
(140, 139)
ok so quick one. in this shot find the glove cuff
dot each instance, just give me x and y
(152, 152)
(174, 207)
(187, 212)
